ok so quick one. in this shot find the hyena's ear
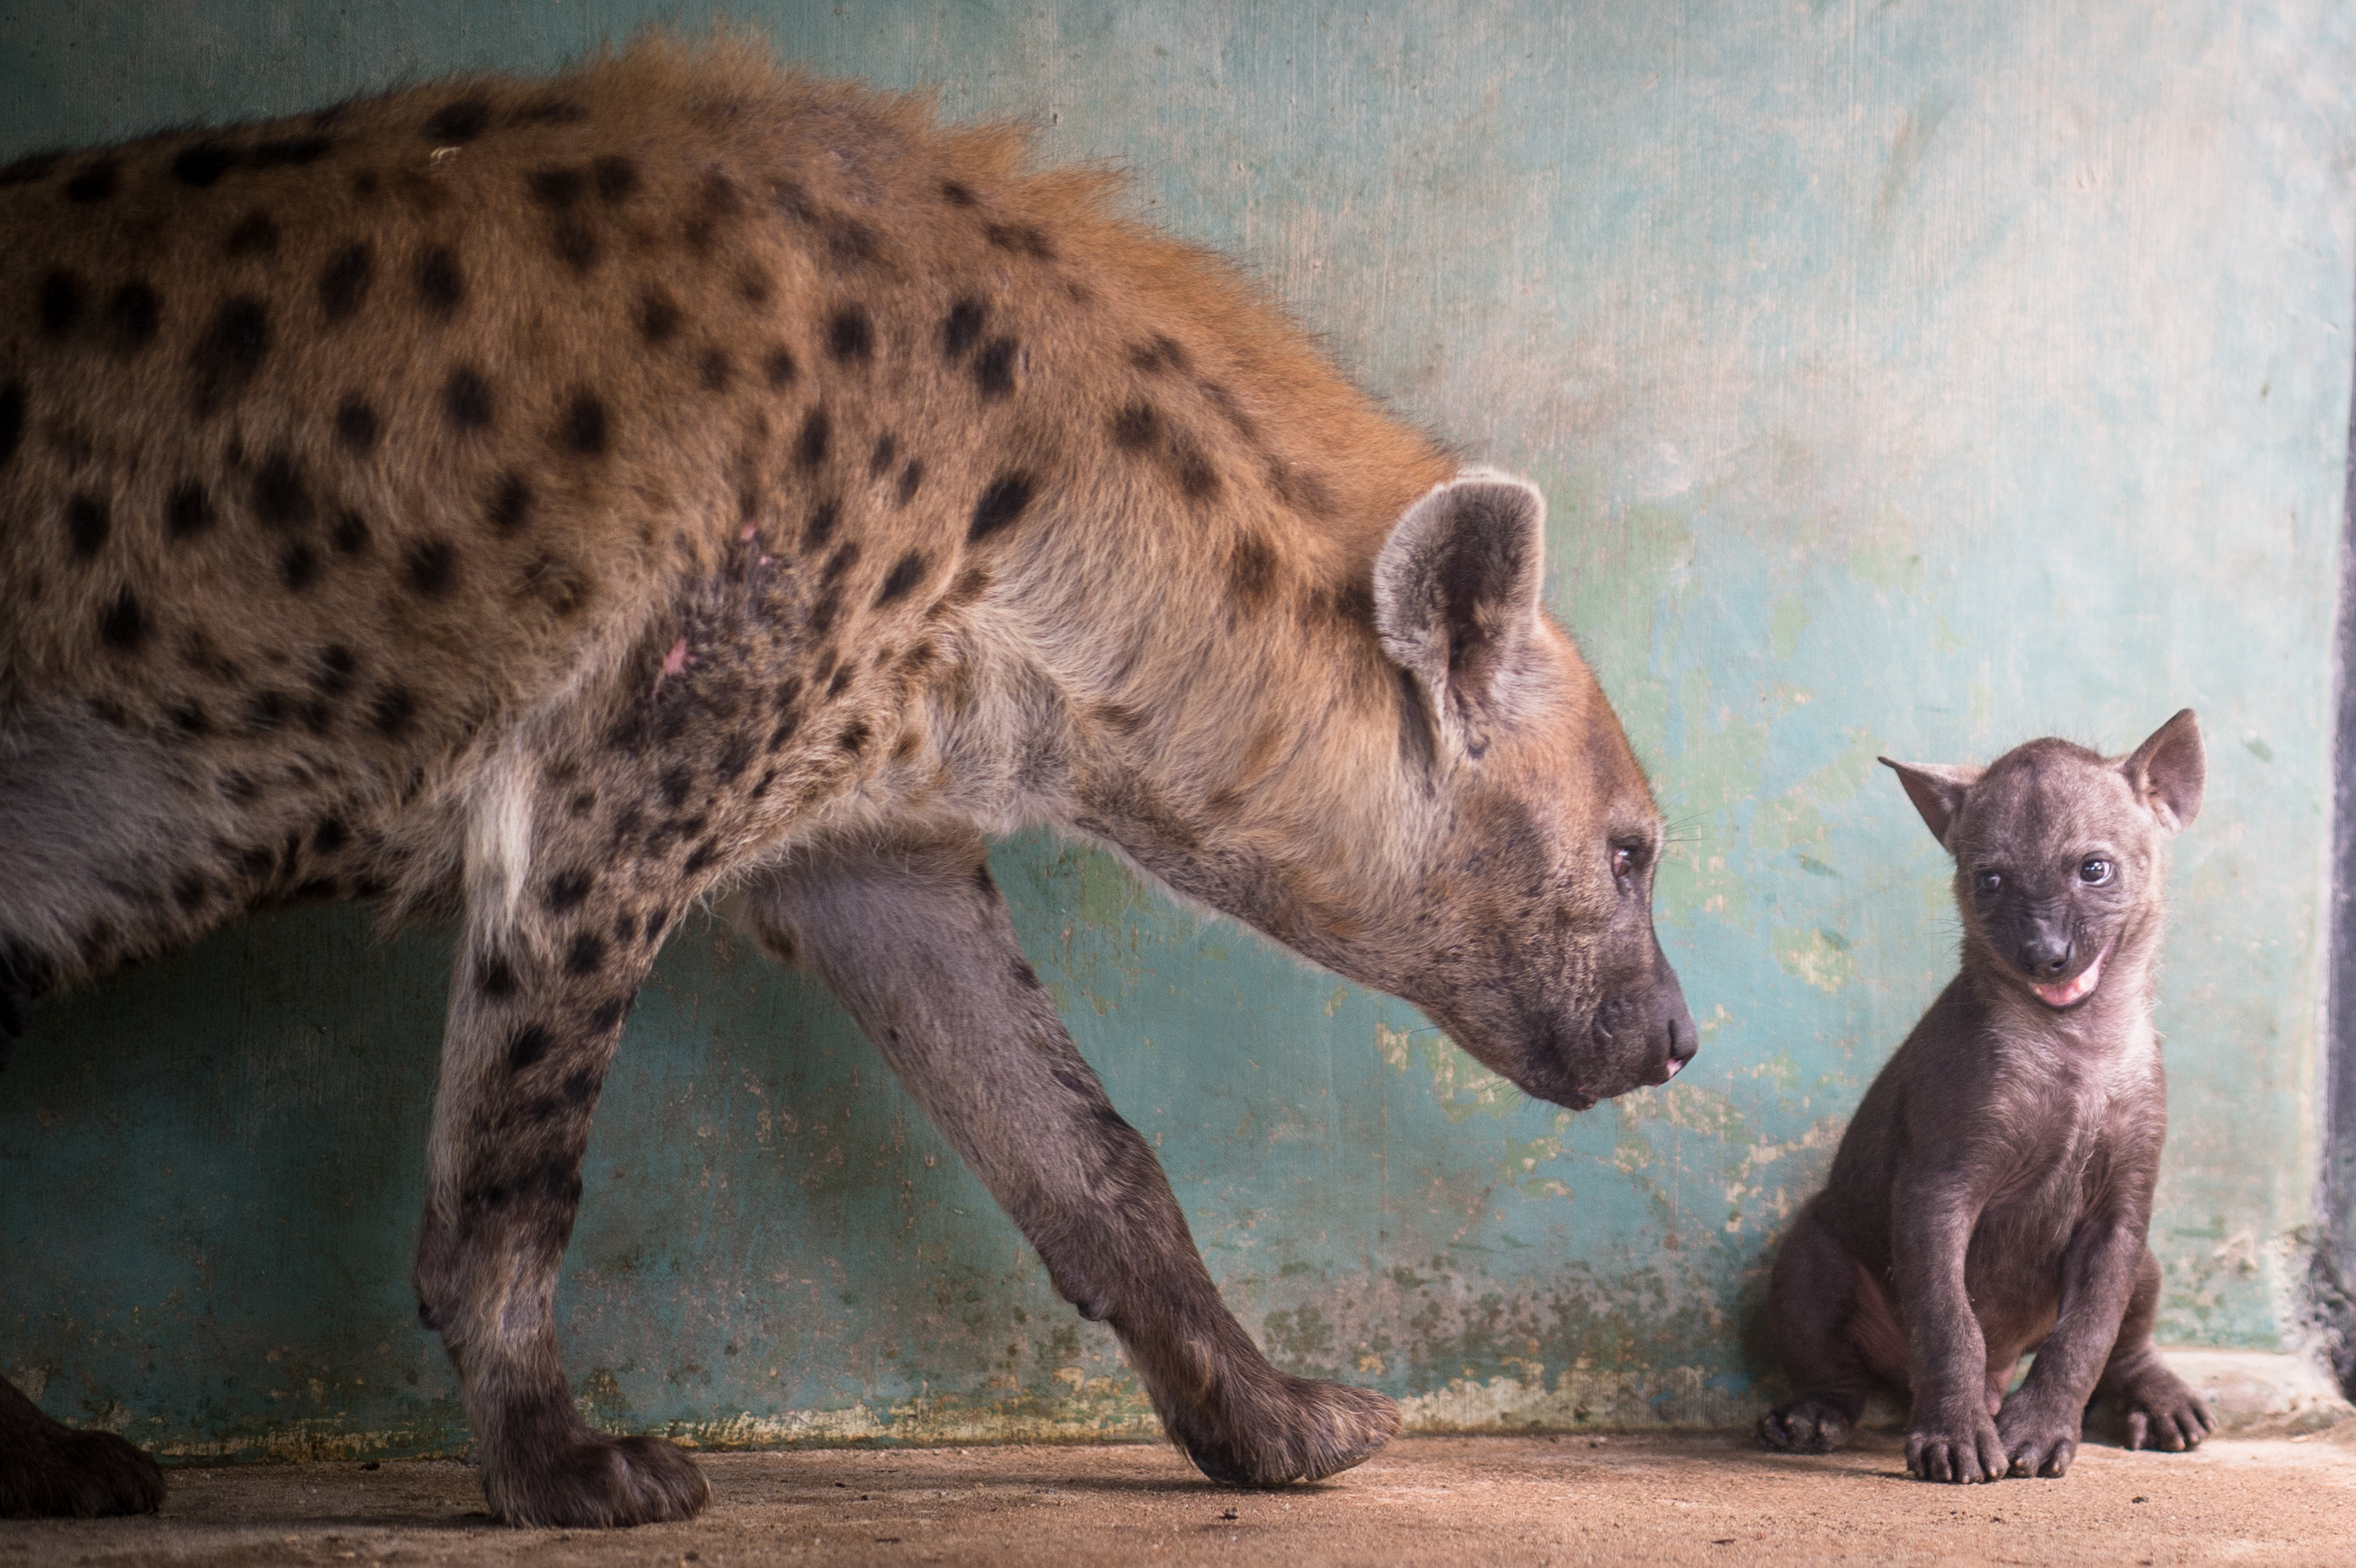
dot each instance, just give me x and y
(2168, 771)
(1456, 597)
(1937, 790)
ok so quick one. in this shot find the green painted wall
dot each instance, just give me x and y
(1913, 377)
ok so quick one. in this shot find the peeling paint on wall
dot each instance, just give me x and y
(1908, 379)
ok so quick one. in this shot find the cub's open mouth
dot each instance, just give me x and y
(2076, 989)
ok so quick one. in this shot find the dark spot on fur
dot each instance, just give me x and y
(1158, 354)
(95, 182)
(266, 711)
(625, 931)
(281, 500)
(850, 336)
(494, 976)
(256, 234)
(188, 511)
(336, 666)
(714, 370)
(752, 286)
(87, 522)
(189, 718)
(440, 286)
(58, 302)
(124, 625)
(1196, 477)
(1022, 239)
(809, 447)
(586, 954)
(133, 315)
(460, 120)
(879, 461)
(855, 737)
(993, 368)
(779, 367)
(329, 835)
(839, 565)
(961, 329)
(836, 686)
(511, 506)
(905, 573)
(1001, 505)
(615, 178)
(1251, 570)
(432, 566)
(393, 710)
(733, 760)
(971, 584)
(466, 399)
(203, 164)
(351, 533)
(531, 1043)
(955, 194)
(356, 425)
(560, 189)
(1134, 427)
(229, 352)
(567, 888)
(705, 851)
(190, 890)
(676, 784)
(299, 568)
(344, 284)
(658, 316)
(366, 185)
(584, 425)
(287, 152)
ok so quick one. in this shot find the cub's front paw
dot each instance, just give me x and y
(1287, 1429)
(55, 1471)
(588, 1480)
(2037, 1442)
(1803, 1426)
(2164, 1414)
(1956, 1446)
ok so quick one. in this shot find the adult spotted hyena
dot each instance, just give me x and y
(539, 503)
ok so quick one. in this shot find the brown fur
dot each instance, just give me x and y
(1992, 1195)
(542, 503)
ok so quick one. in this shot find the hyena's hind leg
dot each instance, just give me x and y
(547, 971)
(915, 940)
(1812, 1310)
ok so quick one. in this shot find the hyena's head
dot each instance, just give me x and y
(1493, 861)
(2060, 854)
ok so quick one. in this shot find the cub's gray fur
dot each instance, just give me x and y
(1993, 1194)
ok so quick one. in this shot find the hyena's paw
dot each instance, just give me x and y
(59, 1472)
(2038, 1442)
(1803, 1426)
(1291, 1429)
(591, 1481)
(1959, 1445)
(2162, 1413)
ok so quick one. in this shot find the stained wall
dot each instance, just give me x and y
(1904, 379)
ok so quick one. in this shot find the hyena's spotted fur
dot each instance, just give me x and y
(533, 503)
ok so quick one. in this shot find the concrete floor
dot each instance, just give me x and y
(1707, 1499)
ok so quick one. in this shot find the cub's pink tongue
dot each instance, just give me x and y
(2076, 989)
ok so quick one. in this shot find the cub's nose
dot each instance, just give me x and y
(1684, 1038)
(2044, 955)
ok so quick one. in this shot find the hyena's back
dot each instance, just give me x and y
(333, 449)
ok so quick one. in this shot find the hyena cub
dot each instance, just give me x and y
(1992, 1195)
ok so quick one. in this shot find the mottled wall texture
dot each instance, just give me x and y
(1907, 378)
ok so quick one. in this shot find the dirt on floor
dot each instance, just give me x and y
(1686, 1499)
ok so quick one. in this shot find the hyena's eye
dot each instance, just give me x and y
(2094, 871)
(1623, 865)
(1988, 882)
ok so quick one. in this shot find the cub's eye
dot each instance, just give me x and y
(1988, 882)
(2094, 871)
(1623, 865)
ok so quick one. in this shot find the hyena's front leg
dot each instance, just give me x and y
(915, 940)
(536, 1008)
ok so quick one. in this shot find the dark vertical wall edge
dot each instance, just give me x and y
(2332, 1277)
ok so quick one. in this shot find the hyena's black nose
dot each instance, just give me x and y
(2045, 954)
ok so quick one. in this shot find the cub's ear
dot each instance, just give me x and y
(1456, 597)
(2168, 771)
(1937, 790)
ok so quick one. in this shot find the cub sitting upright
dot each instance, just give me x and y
(1992, 1195)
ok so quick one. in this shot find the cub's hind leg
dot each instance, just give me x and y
(915, 940)
(49, 1469)
(2161, 1411)
(1813, 1309)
